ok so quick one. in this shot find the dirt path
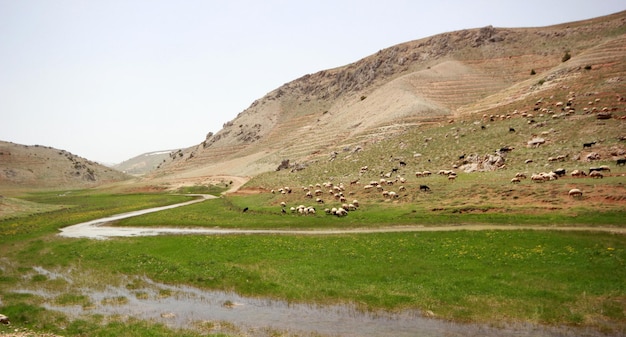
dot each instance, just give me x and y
(99, 228)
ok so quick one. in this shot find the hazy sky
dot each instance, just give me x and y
(112, 79)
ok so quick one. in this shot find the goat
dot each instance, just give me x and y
(588, 144)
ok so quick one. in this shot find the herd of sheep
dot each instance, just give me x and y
(392, 185)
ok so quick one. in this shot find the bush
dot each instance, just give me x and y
(566, 57)
(532, 71)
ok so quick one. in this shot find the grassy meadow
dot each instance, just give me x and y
(496, 277)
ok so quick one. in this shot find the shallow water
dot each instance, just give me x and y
(184, 307)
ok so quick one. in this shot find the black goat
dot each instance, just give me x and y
(588, 144)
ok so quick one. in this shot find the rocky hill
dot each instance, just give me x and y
(430, 81)
(143, 163)
(41, 167)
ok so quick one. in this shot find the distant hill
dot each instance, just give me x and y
(42, 167)
(430, 81)
(143, 163)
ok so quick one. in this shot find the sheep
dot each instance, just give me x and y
(424, 188)
(575, 193)
(621, 162)
(341, 212)
(520, 175)
(419, 174)
(578, 173)
(452, 177)
(515, 180)
(283, 204)
(402, 188)
(538, 178)
(559, 172)
(595, 174)
(599, 168)
(355, 202)
(319, 200)
(368, 187)
(4, 319)
(393, 194)
(426, 173)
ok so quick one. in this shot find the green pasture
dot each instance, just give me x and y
(572, 278)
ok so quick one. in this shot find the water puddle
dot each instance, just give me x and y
(188, 307)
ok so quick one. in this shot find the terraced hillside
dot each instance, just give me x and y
(415, 84)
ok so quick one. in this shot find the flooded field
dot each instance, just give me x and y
(192, 308)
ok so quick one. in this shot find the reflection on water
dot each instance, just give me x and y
(184, 307)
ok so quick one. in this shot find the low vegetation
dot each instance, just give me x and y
(519, 275)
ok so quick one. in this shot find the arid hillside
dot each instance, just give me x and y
(142, 163)
(24, 167)
(431, 81)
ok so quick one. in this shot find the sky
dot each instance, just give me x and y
(112, 79)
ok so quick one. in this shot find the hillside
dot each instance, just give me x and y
(27, 167)
(421, 83)
(143, 163)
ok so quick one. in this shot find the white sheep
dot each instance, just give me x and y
(575, 193)
(341, 212)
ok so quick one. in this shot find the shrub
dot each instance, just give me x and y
(566, 57)
(532, 71)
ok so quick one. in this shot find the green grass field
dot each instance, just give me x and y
(571, 278)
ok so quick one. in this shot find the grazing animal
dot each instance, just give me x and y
(559, 172)
(515, 180)
(402, 163)
(245, 209)
(574, 192)
(596, 174)
(511, 129)
(424, 188)
(538, 178)
(621, 162)
(599, 169)
(4, 319)
(588, 144)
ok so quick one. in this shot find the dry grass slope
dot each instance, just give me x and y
(417, 84)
